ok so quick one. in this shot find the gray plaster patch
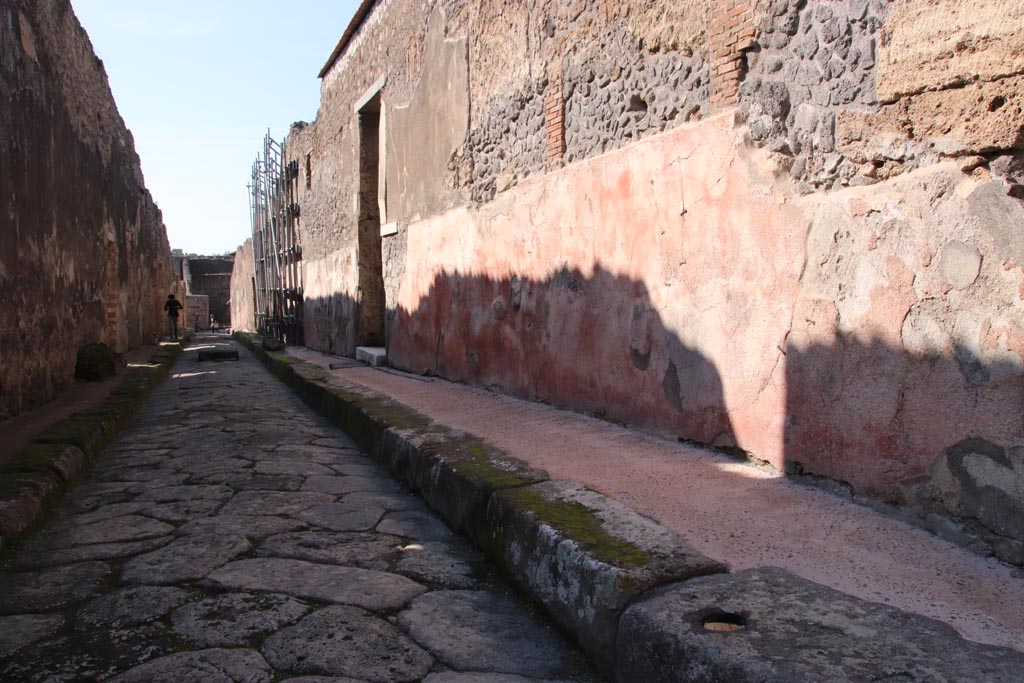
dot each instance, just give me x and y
(250, 526)
(50, 589)
(960, 264)
(235, 618)
(447, 564)
(373, 650)
(421, 526)
(274, 502)
(186, 559)
(339, 485)
(19, 630)
(203, 666)
(131, 606)
(369, 551)
(338, 517)
(327, 583)
(167, 494)
(484, 631)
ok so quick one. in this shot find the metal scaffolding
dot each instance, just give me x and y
(276, 253)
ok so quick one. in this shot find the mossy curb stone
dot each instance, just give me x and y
(770, 626)
(579, 554)
(585, 557)
(38, 475)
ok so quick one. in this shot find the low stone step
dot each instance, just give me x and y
(374, 356)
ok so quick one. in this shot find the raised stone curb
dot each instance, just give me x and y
(585, 556)
(770, 626)
(581, 555)
(38, 475)
(642, 603)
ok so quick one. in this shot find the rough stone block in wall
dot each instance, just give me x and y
(83, 251)
(618, 93)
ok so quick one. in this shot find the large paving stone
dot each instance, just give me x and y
(114, 530)
(235, 618)
(373, 650)
(339, 517)
(485, 631)
(90, 654)
(131, 606)
(421, 526)
(584, 556)
(250, 526)
(168, 494)
(392, 502)
(179, 512)
(274, 502)
(453, 677)
(369, 551)
(50, 555)
(327, 583)
(203, 666)
(794, 631)
(339, 485)
(19, 630)
(97, 515)
(186, 559)
(452, 565)
(50, 589)
(296, 466)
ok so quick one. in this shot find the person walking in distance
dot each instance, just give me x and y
(172, 306)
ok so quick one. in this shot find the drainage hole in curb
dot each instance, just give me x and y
(724, 622)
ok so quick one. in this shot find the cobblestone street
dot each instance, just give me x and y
(230, 534)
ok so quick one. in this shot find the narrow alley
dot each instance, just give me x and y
(229, 534)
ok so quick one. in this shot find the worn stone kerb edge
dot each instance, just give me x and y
(35, 478)
(581, 555)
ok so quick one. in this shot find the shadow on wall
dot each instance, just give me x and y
(936, 431)
(590, 342)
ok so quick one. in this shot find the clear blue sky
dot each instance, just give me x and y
(199, 83)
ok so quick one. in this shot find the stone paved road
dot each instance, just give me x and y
(229, 534)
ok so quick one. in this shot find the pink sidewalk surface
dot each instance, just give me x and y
(733, 512)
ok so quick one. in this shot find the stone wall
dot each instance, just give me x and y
(83, 251)
(211, 275)
(242, 306)
(787, 227)
(197, 312)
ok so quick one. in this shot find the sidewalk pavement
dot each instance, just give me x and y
(733, 512)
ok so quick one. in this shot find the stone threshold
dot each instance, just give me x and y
(644, 604)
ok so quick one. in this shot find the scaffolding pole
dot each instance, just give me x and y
(276, 253)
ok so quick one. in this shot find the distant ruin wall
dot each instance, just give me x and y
(243, 311)
(790, 227)
(212, 276)
(83, 251)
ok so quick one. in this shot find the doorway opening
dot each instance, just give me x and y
(371, 304)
